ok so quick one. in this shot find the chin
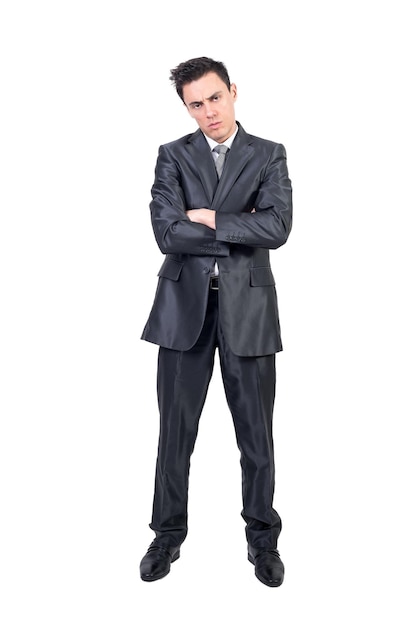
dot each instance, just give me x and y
(216, 133)
(219, 137)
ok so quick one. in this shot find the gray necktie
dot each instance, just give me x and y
(219, 162)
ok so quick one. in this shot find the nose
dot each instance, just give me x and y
(210, 112)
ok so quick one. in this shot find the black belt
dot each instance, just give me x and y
(214, 283)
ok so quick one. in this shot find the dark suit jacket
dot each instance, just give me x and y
(255, 175)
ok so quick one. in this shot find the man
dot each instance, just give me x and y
(216, 291)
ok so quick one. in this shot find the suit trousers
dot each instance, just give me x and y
(182, 382)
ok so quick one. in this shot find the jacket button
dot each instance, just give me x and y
(206, 270)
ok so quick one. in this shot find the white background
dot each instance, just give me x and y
(85, 103)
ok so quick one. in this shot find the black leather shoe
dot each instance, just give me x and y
(269, 568)
(157, 562)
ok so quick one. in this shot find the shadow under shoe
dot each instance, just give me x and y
(157, 562)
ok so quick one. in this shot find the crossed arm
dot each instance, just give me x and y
(202, 231)
(207, 217)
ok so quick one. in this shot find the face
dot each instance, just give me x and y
(212, 106)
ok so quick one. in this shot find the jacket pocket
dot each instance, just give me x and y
(261, 277)
(170, 269)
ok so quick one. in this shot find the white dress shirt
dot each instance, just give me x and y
(212, 144)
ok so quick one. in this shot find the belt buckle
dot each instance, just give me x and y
(214, 283)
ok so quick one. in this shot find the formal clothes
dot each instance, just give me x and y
(194, 314)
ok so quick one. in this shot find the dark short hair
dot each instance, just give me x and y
(194, 69)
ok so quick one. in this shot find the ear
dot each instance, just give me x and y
(233, 91)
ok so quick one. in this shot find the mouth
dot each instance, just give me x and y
(214, 125)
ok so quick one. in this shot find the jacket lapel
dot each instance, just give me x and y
(238, 156)
(201, 161)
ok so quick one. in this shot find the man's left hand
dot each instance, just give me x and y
(202, 216)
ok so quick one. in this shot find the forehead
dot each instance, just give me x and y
(203, 88)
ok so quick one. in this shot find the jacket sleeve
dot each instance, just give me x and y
(174, 232)
(269, 226)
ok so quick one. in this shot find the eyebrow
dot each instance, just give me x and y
(217, 93)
